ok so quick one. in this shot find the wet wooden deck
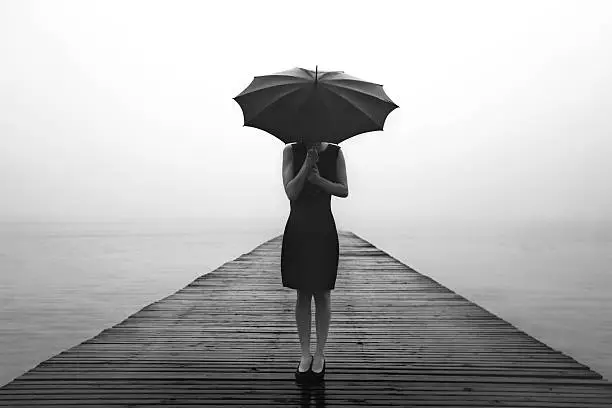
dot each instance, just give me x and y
(397, 338)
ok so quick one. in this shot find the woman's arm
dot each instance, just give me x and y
(293, 185)
(340, 188)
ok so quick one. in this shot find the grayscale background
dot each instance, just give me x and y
(125, 171)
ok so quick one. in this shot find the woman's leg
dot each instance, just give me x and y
(303, 319)
(323, 317)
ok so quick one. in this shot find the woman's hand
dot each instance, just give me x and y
(311, 157)
(314, 177)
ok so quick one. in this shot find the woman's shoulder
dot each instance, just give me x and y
(289, 151)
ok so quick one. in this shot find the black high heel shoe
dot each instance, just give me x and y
(320, 376)
(303, 376)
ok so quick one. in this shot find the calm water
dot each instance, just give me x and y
(552, 280)
(62, 283)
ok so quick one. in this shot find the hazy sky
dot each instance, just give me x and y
(120, 109)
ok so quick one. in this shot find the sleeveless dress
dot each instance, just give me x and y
(310, 248)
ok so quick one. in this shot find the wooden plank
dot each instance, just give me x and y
(229, 339)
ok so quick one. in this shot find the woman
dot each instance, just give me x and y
(312, 173)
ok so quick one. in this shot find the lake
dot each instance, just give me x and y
(62, 283)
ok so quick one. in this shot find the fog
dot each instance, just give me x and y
(123, 109)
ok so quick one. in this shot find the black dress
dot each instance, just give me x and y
(310, 249)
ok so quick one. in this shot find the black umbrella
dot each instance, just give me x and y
(304, 105)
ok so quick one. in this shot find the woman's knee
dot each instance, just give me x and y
(304, 295)
(322, 296)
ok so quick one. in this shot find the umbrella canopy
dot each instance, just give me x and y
(314, 106)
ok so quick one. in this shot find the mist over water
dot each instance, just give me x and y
(63, 283)
(551, 279)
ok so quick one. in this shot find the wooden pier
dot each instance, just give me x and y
(397, 338)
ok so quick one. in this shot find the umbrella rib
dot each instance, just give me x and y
(296, 72)
(275, 100)
(328, 73)
(280, 76)
(356, 107)
(309, 73)
(268, 87)
(361, 81)
(361, 92)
